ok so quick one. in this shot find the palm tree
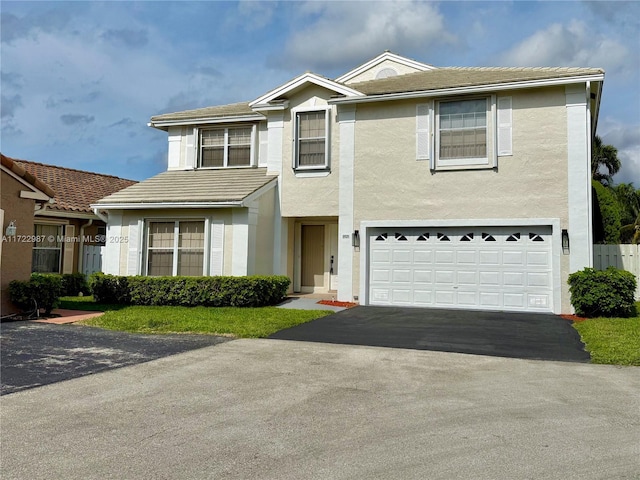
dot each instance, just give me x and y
(604, 162)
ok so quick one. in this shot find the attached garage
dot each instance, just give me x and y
(489, 268)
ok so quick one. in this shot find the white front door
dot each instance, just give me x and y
(505, 268)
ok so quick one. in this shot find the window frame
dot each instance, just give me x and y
(296, 139)
(482, 162)
(175, 248)
(225, 128)
(59, 248)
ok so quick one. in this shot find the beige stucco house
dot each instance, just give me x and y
(398, 183)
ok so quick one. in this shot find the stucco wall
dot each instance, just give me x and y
(222, 214)
(532, 183)
(15, 261)
(264, 234)
(315, 196)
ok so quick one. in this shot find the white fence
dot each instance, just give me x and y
(626, 257)
(92, 259)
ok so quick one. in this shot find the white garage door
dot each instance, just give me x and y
(506, 268)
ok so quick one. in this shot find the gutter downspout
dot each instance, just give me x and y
(100, 215)
(81, 252)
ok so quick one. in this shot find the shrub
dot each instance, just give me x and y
(73, 284)
(251, 291)
(609, 208)
(603, 293)
(44, 289)
(109, 288)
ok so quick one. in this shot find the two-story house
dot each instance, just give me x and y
(398, 183)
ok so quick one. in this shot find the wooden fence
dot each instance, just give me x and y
(626, 257)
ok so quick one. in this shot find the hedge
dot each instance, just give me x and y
(603, 293)
(74, 284)
(43, 288)
(251, 291)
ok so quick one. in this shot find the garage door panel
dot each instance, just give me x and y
(381, 255)
(467, 277)
(538, 279)
(513, 279)
(401, 296)
(380, 275)
(445, 277)
(538, 258)
(444, 257)
(486, 278)
(489, 257)
(422, 297)
(472, 267)
(401, 276)
(401, 256)
(467, 257)
(422, 256)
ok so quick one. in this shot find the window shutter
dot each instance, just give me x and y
(133, 261)
(217, 252)
(191, 148)
(504, 126)
(67, 261)
(423, 146)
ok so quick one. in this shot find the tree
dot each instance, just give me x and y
(629, 200)
(606, 215)
(604, 162)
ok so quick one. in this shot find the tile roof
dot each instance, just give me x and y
(455, 77)
(231, 110)
(75, 190)
(28, 177)
(194, 186)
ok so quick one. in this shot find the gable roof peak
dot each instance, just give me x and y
(386, 56)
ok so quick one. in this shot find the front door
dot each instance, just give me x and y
(312, 265)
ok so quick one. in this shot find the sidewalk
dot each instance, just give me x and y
(68, 316)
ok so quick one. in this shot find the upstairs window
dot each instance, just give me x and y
(226, 147)
(312, 137)
(463, 131)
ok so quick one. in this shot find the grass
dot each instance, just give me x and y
(613, 341)
(232, 321)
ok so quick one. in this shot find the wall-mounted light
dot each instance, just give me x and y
(355, 239)
(11, 229)
(565, 241)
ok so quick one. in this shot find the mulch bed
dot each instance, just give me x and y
(338, 304)
(573, 318)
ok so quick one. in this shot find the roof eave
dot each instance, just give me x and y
(165, 124)
(468, 89)
(159, 205)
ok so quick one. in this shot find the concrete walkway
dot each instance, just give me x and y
(268, 409)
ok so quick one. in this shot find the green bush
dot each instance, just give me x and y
(603, 293)
(109, 288)
(73, 284)
(251, 291)
(610, 213)
(46, 290)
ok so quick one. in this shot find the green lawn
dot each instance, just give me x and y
(614, 341)
(233, 321)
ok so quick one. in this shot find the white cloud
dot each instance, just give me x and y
(338, 34)
(571, 44)
(626, 138)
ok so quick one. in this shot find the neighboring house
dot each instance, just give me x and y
(73, 235)
(398, 183)
(22, 195)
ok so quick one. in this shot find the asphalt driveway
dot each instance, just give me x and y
(34, 354)
(502, 334)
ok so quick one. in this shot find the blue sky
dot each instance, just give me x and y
(80, 80)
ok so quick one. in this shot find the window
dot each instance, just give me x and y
(47, 250)
(226, 147)
(175, 248)
(462, 130)
(311, 140)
